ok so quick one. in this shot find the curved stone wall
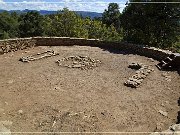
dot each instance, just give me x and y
(10, 45)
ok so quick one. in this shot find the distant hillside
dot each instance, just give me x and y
(46, 12)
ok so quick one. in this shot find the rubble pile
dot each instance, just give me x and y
(38, 56)
(140, 75)
(81, 62)
(16, 44)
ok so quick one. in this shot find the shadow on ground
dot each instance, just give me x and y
(178, 117)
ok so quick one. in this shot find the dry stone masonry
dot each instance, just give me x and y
(81, 62)
(141, 74)
(38, 56)
(11, 45)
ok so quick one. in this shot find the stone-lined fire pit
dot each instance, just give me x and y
(81, 62)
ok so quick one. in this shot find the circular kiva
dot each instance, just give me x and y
(81, 62)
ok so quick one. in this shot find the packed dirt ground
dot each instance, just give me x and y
(41, 96)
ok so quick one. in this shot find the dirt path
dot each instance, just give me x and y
(41, 96)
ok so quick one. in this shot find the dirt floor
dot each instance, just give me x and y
(41, 96)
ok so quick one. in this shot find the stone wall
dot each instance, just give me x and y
(151, 52)
(10, 45)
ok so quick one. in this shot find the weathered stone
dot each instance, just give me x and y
(141, 74)
(75, 62)
(175, 127)
(131, 83)
(134, 66)
(163, 113)
(152, 60)
(77, 66)
(155, 133)
(82, 62)
(20, 112)
(37, 57)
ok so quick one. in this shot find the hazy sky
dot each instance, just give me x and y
(76, 5)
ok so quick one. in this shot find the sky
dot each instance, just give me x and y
(75, 5)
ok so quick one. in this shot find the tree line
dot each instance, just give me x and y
(65, 23)
(146, 23)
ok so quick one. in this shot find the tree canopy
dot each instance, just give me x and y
(153, 24)
(111, 16)
(150, 23)
(31, 24)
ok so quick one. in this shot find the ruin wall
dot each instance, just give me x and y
(10, 45)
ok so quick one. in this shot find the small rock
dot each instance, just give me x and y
(135, 66)
(57, 88)
(159, 126)
(151, 59)
(163, 113)
(168, 79)
(76, 66)
(167, 102)
(130, 83)
(75, 62)
(175, 127)
(26, 51)
(20, 111)
(155, 133)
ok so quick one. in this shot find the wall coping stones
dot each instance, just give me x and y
(143, 50)
(14, 39)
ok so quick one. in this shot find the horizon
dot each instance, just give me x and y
(51, 10)
(55, 5)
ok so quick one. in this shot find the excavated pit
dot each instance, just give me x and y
(41, 96)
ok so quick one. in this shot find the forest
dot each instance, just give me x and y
(149, 24)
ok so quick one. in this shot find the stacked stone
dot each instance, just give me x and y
(141, 74)
(12, 45)
(82, 62)
(38, 56)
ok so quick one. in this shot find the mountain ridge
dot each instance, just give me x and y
(48, 12)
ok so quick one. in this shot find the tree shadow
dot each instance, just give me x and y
(117, 50)
(178, 71)
(170, 69)
(178, 117)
